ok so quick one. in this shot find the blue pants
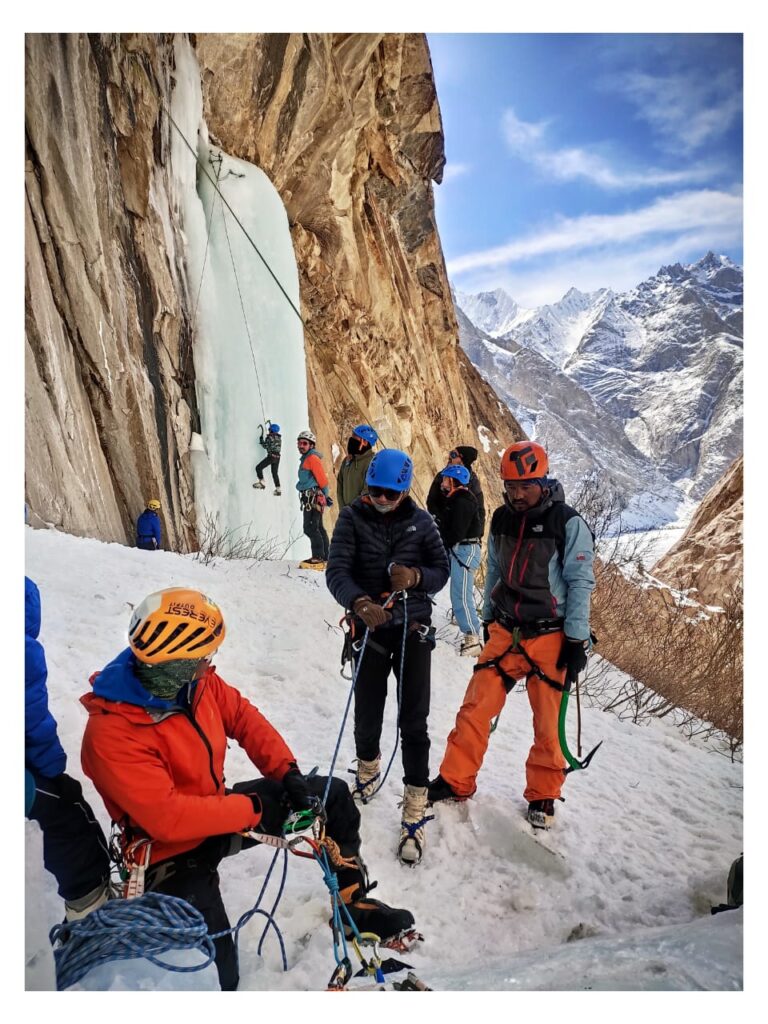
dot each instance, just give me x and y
(462, 585)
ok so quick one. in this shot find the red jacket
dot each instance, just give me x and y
(163, 771)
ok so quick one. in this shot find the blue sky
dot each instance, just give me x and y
(586, 160)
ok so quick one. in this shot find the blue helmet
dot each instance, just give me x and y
(366, 433)
(460, 473)
(390, 468)
(274, 428)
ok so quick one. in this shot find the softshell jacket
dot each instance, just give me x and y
(460, 517)
(365, 542)
(350, 482)
(43, 751)
(540, 565)
(436, 500)
(159, 765)
(311, 473)
(273, 443)
(148, 530)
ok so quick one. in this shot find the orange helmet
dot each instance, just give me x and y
(175, 623)
(524, 460)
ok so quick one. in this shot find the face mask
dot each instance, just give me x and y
(165, 681)
(355, 445)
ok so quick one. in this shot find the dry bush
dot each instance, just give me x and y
(217, 541)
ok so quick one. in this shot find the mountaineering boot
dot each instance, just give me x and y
(438, 790)
(541, 813)
(77, 909)
(260, 485)
(369, 915)
(366, 779)
(471, 645)
(313, 563)
(277, 492)
(411, 847)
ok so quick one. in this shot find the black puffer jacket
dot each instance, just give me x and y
(365, 542)
(436, 499)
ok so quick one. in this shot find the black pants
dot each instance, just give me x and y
(318, 538)
(273, 465)
(194, 876)
(371, 695)
(75, 850)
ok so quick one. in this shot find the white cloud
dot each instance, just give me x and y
(716, 212)
(686, 109)
(527, 141)
(453, 171)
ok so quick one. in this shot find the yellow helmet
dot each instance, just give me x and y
(175, 623)
(154, 504)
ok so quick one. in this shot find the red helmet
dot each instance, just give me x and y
(524, 460)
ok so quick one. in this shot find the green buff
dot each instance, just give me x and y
(165, 681)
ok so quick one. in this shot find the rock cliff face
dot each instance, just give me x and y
(709, 557)
(348, 129)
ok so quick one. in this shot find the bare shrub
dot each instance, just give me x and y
(218, 541)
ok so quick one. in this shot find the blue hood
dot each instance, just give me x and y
(118, 682)
(31, 609)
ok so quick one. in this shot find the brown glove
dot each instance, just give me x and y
(403, 577)
(372, 614)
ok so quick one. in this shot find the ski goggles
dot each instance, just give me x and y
(383, 492)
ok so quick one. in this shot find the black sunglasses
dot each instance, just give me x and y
(384, 492)
(453, 455)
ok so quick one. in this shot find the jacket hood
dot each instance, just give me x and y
(118, 682)
(467, 453)
(31, 608)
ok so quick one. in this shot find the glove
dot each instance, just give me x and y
(486, 631)
(403, 577)
(372, 614)
(296, 789)
(329, 501)
(573, 657)
(69, 790)
(320, 500)
(273, 813)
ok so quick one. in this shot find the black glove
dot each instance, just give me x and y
(68, 789)
(297, 790)
(573, 657)
(273, 813)
(486, 631)
(372, 614)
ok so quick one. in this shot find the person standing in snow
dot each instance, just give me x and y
(273, 444)
(383, 543)
(75, 849)
(536, 608)
(148, 532)
(459, 526)
(159, 721)
(461, 455)
(350, 481)
(314, 498)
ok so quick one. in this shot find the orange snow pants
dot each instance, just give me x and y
(484, 699)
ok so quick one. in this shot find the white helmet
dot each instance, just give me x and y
(307, 435)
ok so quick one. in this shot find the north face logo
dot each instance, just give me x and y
(537, 529)
(411, 529)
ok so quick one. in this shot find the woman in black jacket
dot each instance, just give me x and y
(461, 531)
(383, 543)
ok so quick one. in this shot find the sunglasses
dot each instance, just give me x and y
(453, 455)
(384, 492)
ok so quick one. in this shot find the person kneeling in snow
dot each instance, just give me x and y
(159, 721)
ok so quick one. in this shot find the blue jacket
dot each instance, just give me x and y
(540, 565)
(148, 534)
(365, 543)
(43, 753)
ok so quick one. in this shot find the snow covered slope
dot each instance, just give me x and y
(620, 900)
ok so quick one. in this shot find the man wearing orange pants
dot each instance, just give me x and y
(539, 580)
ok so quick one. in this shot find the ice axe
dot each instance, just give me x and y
(573, 763)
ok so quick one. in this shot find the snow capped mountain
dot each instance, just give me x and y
(580, 435)
(663, 359)
(494, 312)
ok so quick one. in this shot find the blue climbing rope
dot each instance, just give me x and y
(149, 926)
